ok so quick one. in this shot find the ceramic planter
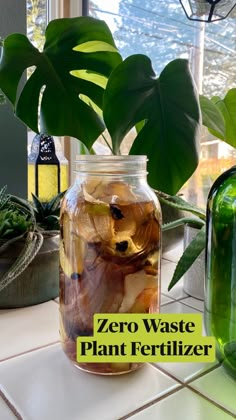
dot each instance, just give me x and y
(40, 280)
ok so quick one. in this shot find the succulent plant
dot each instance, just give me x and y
(47, 213)
(16, 217)
(20, 219)
(4, 198)
(13, 223)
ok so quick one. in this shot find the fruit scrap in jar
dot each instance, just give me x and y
(94, 191)
(123, 219)
(120, 247)
(72, 263)
(120, 367)
(93, 222)
(102, 288)
(94, 187)
(122, 191)
(98, 188)
(146, 302)
(152, 260)
(99, 290)
(134, 285)
(104, 227)
(116, 212)
(128, 217)
(147, 235)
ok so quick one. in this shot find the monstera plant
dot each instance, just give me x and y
(219, 116)
(82, 86)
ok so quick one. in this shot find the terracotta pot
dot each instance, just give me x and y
(40, 280)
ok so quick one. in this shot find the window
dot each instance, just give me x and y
(160, 30)
(39, 13)
(37, 18)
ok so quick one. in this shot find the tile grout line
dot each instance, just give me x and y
(182, 385)
(182, 382)
(180, 300)
(149, 404)
(175, 299)
(10, 406)
(201, 374)
(187, 385)
(29, 351)
(222, 408)
(167, 373)
(190, 306)
(164, 304)
(168, 260)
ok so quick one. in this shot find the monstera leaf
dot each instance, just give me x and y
(71, 73)
(219, 115)
(212, 117)
(168, 105)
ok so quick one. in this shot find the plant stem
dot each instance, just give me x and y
(107, 143)
(198, 223)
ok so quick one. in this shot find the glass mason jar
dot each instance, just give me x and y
(220, 293)
(109, 250)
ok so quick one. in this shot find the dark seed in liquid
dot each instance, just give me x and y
(75, 276)
(116, 212)
(122, 246)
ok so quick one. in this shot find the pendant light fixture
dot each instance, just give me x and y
(207, 10)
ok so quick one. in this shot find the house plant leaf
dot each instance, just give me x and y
(168, 105)
(227, 108)
(219, 116)
(212, 117)
(86, 45)
(188, 257)
(179, 203)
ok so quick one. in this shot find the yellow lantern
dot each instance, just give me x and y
(47, 169)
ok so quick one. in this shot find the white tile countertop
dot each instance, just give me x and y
(37, 382)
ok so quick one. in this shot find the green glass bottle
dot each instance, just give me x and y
(220, 291)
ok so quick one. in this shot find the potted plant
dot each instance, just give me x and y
(218, 115)
(85, 83)
(29, 244)
(85, 87)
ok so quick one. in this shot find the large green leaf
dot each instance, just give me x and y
(76, 50)
(212, 117)
(179, 203)
(227, 107)
(190, 254)
(219, 116)
(168, 105)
